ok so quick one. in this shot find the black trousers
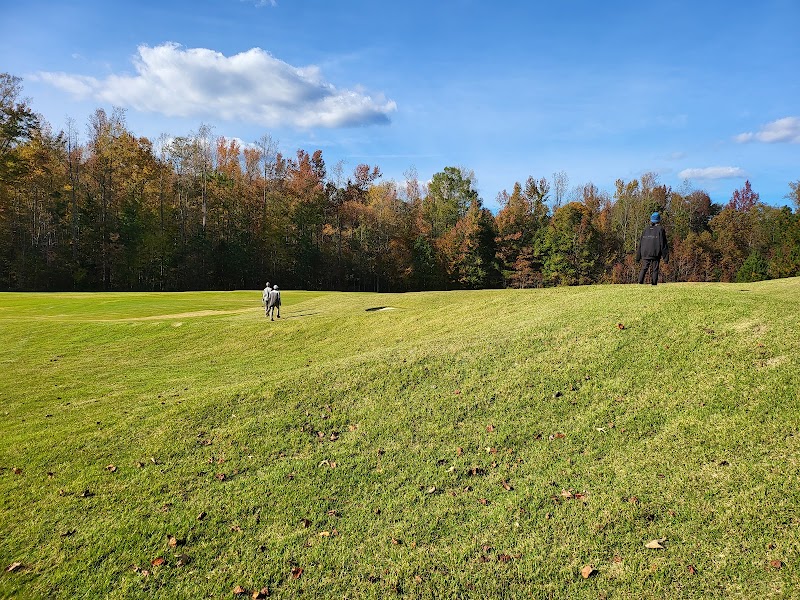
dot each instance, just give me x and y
(650, 264)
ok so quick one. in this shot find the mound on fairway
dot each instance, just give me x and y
(588, 442)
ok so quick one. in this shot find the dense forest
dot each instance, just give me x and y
(112, 211)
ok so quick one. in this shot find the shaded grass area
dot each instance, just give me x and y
(463, 444)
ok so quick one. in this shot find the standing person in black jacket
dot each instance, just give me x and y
(652, 248)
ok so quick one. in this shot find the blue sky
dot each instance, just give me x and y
(689, 89)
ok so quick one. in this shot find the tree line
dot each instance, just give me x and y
(114, 211)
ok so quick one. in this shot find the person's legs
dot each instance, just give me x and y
(643, 271)
(654, 272)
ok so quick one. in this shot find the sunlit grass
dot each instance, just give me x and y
(460, 444)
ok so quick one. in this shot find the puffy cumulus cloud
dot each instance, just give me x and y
(713, 173)
(782, 130)
(251, 86)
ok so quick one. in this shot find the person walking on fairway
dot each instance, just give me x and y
(265, 298)
(652, 248)
(273, 303)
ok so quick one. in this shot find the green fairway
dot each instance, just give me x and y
(486, 444)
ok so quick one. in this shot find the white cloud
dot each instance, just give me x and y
(713, 173)
(251, 86)
(782, 130)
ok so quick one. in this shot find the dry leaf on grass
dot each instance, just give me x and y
(297, 572)
(157, 562)
(655, 544)
(13, 567)
(587, 571)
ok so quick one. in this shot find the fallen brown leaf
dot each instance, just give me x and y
(775, 564)
(620, 325)
(172, 541)
(13, 567)
(262, 593)
(587, 571)
(483, 501)
(202, 516)
(692, 569)
(17, 471)
(220, 476)
(297, 572)
(504, 558)
(490, 428)
(432, 489)
(459, 451)
(183, 559)
(239, 590)
(157, 562)
(507, 486)
(655, 544)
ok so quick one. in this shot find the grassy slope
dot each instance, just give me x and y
(683, 425)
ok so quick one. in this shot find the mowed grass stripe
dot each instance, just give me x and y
(462, 444)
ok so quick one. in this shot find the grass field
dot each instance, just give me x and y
(487, 444)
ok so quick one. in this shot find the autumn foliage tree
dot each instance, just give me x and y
(115, 211)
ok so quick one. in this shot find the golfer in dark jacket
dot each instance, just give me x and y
(652, 248)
